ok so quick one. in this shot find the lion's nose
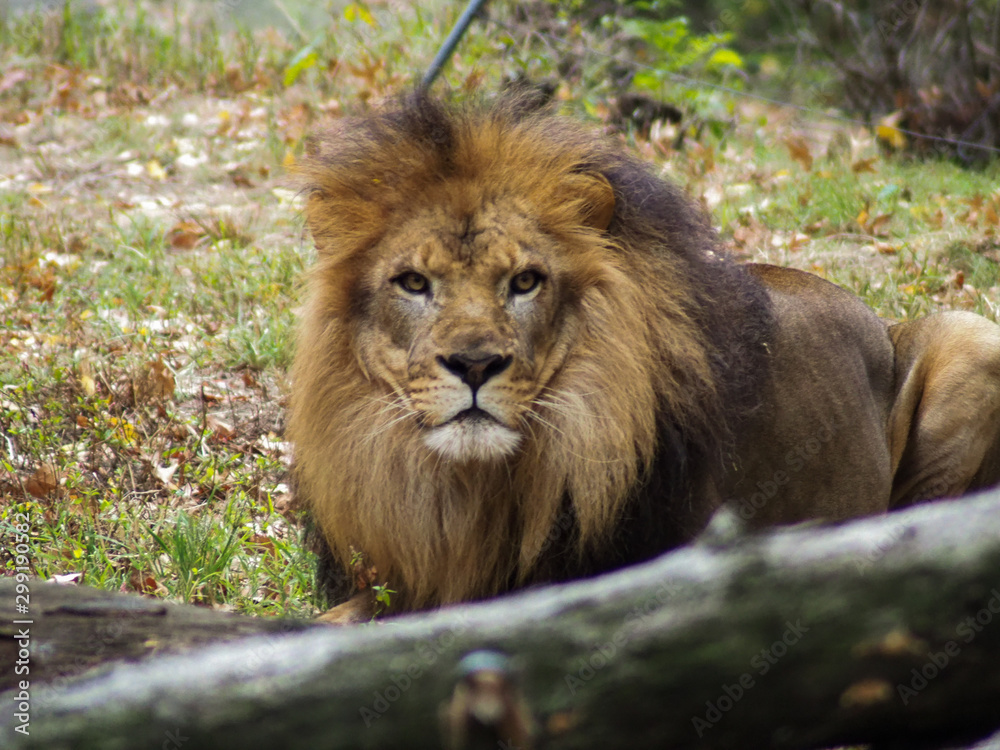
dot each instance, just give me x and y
(475, 371)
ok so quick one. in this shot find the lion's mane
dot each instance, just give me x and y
(666, 365)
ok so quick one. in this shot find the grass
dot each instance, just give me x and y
(151, 253)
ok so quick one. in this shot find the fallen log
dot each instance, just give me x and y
(72, 629)
(884, 630)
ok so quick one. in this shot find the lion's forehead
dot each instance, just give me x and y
(487, 243)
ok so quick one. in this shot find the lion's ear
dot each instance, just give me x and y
(340, 224)
(596, 198)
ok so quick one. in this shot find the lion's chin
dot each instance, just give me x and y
(479, 439)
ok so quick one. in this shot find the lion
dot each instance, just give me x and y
(524, 358)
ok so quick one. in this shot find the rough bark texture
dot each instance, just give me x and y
(73, 629)
(885, 630)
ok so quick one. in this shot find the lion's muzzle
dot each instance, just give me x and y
(469, 398)
(475, 370)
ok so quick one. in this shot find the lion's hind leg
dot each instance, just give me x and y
(944, 428)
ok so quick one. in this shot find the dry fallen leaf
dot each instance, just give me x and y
(154, 383)
(799, 150)
(283, 502)
(240, 179)
(886, 248)
(991, 213)
(986, 90)
(144, 583)
(864, 165)
(889, 133)
(865, 693)
(797, 241)
(211, 393)
(185, 235)
(897, 642)
(561, 722)
(220, 429)
(7, 136)
(878, 226)
(44, 481)
(166, 474)
(87, 383)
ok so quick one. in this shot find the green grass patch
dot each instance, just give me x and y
(151, 251)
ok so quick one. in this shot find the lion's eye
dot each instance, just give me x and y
(413, 282)
(525, 282)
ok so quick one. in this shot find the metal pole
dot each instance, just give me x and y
(451, 42)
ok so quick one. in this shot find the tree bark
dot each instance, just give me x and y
(885, 631)
(75, 628)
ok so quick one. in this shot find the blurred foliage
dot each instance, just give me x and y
(671, 47)
(647, 48)
(930, 68)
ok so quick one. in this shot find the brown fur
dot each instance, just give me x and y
(442, 532)
(649, 391)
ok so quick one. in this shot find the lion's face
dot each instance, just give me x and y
(467, 318)
(487, 336)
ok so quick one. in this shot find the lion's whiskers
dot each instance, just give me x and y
(565, 439)
(568, 405)
(400, 401)
(546, 423)
(564, 407)
(401, 404)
